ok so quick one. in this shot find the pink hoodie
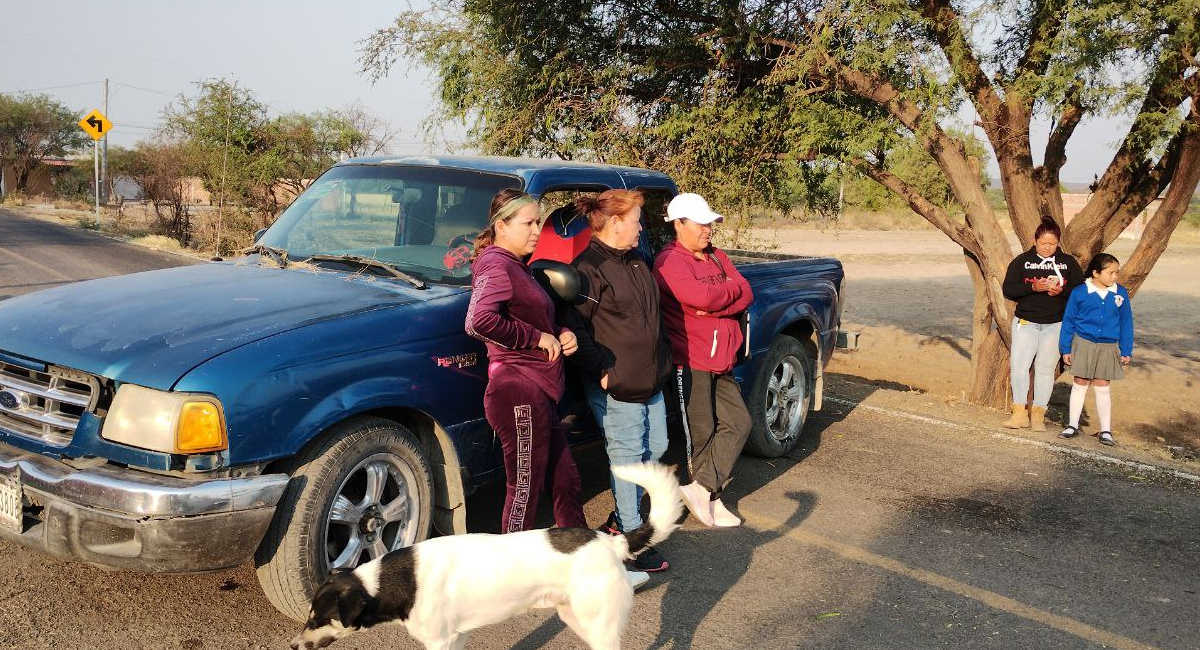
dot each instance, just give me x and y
(712, 285)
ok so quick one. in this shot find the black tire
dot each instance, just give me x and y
(778, 425)
(382, 477)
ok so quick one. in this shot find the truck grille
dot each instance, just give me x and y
(45, 405)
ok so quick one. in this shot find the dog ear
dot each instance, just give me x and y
(351, 606)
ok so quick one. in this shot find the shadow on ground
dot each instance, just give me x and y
(687, 601)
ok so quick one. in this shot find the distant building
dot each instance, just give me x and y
(1074, 202)
(41, 178)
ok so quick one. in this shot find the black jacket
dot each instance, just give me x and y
(1039, 306)
(618, 323)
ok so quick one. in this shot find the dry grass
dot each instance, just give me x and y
(161, 242)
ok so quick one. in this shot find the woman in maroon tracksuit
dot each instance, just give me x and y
(702, 297)
(511, 313)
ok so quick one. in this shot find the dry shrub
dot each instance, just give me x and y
(236, 228)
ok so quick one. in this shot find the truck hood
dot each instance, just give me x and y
(151, 328)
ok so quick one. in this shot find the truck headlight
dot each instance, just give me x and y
(177, 423)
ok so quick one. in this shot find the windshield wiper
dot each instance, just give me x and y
(277, 255)
(373, 263)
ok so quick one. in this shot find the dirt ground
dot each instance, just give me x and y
(910, 295)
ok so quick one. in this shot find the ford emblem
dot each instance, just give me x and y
(12, 400)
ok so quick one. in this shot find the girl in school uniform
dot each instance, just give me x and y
(1096, 341)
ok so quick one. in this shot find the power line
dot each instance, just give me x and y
(75, 85)
(148, 90)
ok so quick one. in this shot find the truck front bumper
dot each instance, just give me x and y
(125, 519)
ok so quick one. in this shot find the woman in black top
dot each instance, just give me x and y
(1039, 280)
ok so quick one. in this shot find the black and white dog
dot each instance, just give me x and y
(442, 588)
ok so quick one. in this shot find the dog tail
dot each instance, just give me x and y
(666, 507)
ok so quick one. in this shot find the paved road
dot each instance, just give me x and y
(882, 531)
(37, 254)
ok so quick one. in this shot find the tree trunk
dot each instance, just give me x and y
(989, 355)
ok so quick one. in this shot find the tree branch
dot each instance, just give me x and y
(947, 29)
(922, 206)
(1182, 186)
(1143, 192)
(1167, 90)
(1056, 147)
(1046, 23)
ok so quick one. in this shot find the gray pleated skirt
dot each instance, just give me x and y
(1095, 360)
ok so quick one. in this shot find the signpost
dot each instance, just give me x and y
(96, 126)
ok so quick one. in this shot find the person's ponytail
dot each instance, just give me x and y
(589, 207)
(485, 238)
(608, 204)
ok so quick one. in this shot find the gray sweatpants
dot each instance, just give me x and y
(716, 424)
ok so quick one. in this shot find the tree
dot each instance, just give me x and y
(736, 93)
(260, 162)
(375, 133)
(33, 128)
(162, 171)
(223, 129)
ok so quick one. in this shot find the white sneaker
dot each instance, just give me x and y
(637, 578)
(723, 517)
(696, 498)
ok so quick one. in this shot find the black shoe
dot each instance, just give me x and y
(1069, 432)
(650, 561)
(1106, 438)
(610, 527)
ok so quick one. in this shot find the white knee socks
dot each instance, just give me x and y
(1078, 392)
(1103, 406)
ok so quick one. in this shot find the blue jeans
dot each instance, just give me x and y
(1033, 344)
(633, 433)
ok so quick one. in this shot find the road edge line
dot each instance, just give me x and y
(1050, 446)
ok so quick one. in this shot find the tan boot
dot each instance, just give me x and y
(1019, 419)
(1037, 415)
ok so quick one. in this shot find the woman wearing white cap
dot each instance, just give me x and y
(703, 296)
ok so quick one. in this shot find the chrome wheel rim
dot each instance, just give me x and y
(787, 399)
(372, 512)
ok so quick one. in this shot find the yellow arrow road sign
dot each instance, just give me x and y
(95, 124)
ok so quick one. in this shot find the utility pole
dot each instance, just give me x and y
(224, 166)
(104, 162)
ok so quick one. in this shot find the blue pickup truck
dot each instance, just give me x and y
(316, 403)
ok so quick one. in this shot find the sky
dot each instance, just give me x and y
(296, 56)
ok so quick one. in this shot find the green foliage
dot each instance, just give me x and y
(162, 171)
(735, 99)
(33, 128)
(227, 139)
(697, 89)
(74, 183)
(222, 130)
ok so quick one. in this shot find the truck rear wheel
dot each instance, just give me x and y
(780, 398)
(365, 489)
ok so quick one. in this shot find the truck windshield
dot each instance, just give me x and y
(421, 220)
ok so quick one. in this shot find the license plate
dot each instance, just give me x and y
(10, 505)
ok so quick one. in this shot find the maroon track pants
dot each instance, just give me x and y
(536, 454)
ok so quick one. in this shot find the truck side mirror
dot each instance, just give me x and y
(559, 280)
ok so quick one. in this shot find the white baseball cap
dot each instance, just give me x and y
(692, 207)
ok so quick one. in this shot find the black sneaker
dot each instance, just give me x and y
(610, 527)
(650, 561)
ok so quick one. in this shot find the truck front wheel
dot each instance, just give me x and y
(365, 489)
(780, 398)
